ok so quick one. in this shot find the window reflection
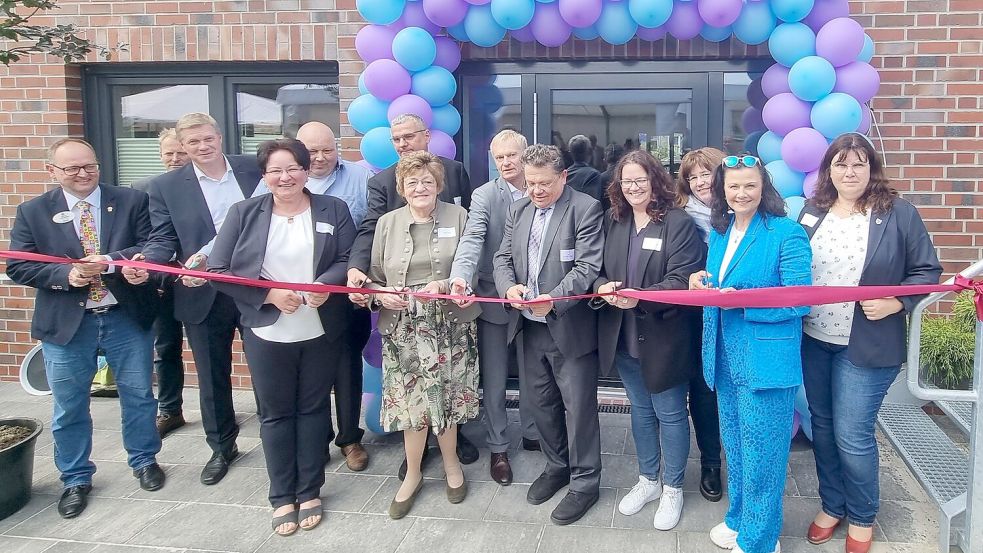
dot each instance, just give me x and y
(743, 101)
(269, 111)
(494, 104)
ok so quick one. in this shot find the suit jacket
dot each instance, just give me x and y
(668, 335)
(584, 178)
(383, 198)
(58, 308)
(763, 343)
(240, 250)
(575, 227)
(899, 251)
(182, 225)
(474, 260)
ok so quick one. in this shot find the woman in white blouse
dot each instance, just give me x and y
(293, 340)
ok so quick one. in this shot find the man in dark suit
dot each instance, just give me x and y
(187, 209)
(168, 334)
(86, 307)
(409, 134)
(580, 175)
(552, 247)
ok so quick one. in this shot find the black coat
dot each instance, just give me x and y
(669, 335)
(584, 178)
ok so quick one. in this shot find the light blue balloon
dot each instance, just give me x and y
(751, 142)
(791, 42)
(414, 48)
(377, 148)
(482, 28)
(362, 89)
(650, 13)
(367, 112)
(792, 10)
(459, 33)
(770, 147)
(434, 84)
(794, 205)
(716, 34)
(812, 78)
(787, 181)
(868, 50)
(755, 24)
(616, 25)
(586, 33)
(513, 14)
(446, 118)
(836, 114)
(380, 12)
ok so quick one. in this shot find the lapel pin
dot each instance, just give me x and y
(877, 221)
(109, 209)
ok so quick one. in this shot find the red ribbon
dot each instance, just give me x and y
(783, 296)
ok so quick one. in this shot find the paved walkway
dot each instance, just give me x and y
(234, 515)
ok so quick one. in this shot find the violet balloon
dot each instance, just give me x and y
(448, 53)
(442, 144)
(386, 79)
(858, 79)
(719, 13)
(866, 118)
(803, 149)
(477, 2)
(826, 10)
(775, 80)
(580, 13)
(810, 182)
(375, 42)
(548, 26)
(651, 34)
(445, 13)
(523, 35)
(685, 22)
(410, 103)
(414, 15)
(751, 120)
(840, 41)
(784, 113)
(755, 95)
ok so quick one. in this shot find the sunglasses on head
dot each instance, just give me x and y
(747, 161)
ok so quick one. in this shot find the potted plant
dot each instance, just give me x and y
(17, 439)
(948, 344)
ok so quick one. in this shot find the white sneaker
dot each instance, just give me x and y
(670, 509)
(646, 490)
(778, 548)
(723, 537)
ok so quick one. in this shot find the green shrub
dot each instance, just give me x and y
(948, 343)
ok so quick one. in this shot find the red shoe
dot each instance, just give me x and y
(857, 546)
(818, 535)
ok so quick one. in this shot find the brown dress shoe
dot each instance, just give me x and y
(500, 469)
(857, 546)
(168, 422)
(356, 457)
(818, 535)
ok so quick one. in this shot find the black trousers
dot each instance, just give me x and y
(706, 421)
(168, 345)
(292, 383)
(211, 344)
(348, 382)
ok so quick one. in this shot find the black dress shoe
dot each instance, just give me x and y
(467, 453)
(217, 467)
(545, 487)
(710, 484)
(423, 463)
(573, 507)
(531, 445)
(73, 500)
(151, 477)
(500, 469)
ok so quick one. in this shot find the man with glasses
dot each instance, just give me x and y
(84, 307)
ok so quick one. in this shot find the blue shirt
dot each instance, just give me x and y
(348, 182)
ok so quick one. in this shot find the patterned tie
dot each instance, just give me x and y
(535, 245)
(90, 245)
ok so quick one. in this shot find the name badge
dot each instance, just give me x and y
(62, 217)
(457, 200)
(809, 220)
(566, 255)
(654, 244)
(324, 228)
(446, 232)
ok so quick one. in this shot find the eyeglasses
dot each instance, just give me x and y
(278, 173)
(325, 152)
(406, 137)
(701, 176)
(733, 161)
(74, 170)
(629, 183)
(420, 185)
(856, 167)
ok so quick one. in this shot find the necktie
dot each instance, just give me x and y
(90, 245)
(535, 246)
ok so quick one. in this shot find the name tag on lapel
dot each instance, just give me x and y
(324, 228)
(809, 220)
(62, 217)
(446, 232)
(566, 255)
(457, 200)
(654, 244)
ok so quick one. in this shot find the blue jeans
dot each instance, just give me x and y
(656, 418)
(70, 369)
(844, 400)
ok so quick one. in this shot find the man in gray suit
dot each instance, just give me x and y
(552, 247)
(473, 264)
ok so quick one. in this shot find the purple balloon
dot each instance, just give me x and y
(411, 103)
(442, 144)
(785, 112)
(803, 149)
(386, 79)
(824, 11)
(775, 81)
(548, 25)
(651, 33)
(478, 2)
(865, 120)
(580, 13)
(448, 53)
(755, 96)
(858, 79)
(751, 120)
(415, 16)
(445, 13)
(810, 182)
(523, 35)
(685, 22)
(720, 13)
(375, 42)
(840, 41)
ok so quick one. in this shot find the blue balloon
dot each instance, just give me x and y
(482, 28)
(377, 148)
(414, 48)
(787, 181)
(716, 34)
(380, 12)
(791, 42)
(362, 89)
(650, 13)
(458, 32)
(367, 112)
(770, 147)
(751, 142)
(792, 10)
(446, 118)
(812, 78)
(836, 114)
(513, 14)
(616, 25)
(586, 33)
(868, 50)
(755, 24)
(434, 84)
(794, 205)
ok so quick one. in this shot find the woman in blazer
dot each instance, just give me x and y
(429, 348)
(751, 355)
(861, 234)
(650, 245)
(292, 340)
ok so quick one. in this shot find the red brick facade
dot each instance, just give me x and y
(929, 112)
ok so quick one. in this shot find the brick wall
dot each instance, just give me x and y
(929, 112)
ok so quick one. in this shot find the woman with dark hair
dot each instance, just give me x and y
(293, 340)
(862, 234)
(751, 355)
(650, 245)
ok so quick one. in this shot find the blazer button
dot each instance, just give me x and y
(438, 272)
(641, 338)
(455, 319)
(407, 250)
(81, 304)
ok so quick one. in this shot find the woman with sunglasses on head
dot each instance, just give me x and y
(861, 233)
(655, 347)
(751, 355)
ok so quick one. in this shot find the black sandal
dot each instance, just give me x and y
(286, 519)
(315, 511)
